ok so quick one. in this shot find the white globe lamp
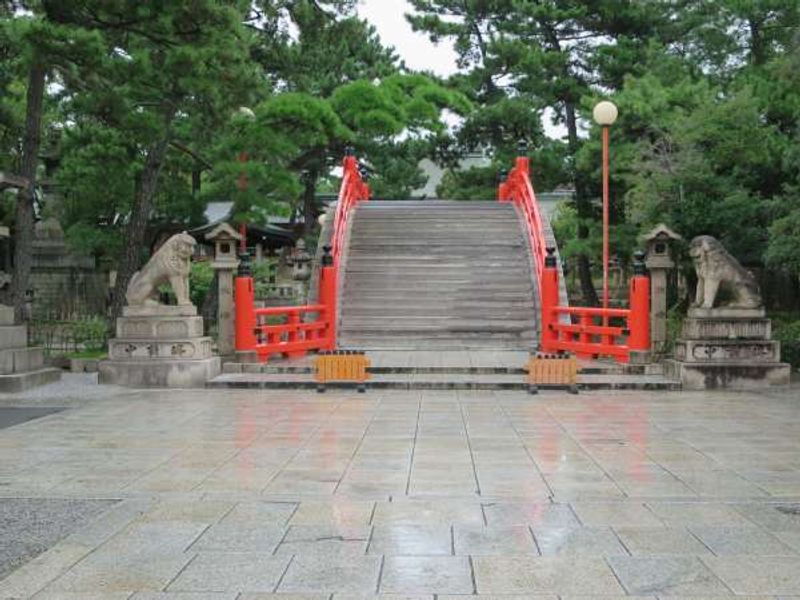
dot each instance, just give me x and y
(605, 113)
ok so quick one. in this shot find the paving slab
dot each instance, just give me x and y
(325, 540)
(351, 575)
(427, 575)
(644, 541)
(400, 539)
(578, 541)
(492, 541)
(545, 574)
(772, 575)
(667, 575)
(724, 541)
(230, 572)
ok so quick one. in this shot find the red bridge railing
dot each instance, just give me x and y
(287, 330)
(587, 332)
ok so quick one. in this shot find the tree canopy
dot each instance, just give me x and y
(143, 103)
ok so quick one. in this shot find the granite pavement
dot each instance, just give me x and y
(269, 495)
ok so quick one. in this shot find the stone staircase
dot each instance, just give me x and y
(437, 275)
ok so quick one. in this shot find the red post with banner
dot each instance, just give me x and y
(245, 310)
(549, 302)
(639, 299)
(327, 297)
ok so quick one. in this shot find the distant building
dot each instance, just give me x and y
(435, 172)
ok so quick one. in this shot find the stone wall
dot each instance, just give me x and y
(65, 284)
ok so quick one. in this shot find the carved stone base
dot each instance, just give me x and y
(170, 349)
(726, 348)
(160, 346)
(720, 351)
(723, 328)
(729, 376)
(159, 327)
(726, 312)
(159, 310)
(160, 373)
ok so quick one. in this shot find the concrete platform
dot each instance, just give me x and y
(19, 382)
(457, 370)
(163, 373)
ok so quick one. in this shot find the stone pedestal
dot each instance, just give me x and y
(21, 368)
(728, 348)
(160, 346)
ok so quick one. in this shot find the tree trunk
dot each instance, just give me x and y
(23, 220)
(583, 208)
(137, 225)
(310, 203)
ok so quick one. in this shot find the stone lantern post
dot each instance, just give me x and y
(659, 262)
(300, 261)
(225, 240)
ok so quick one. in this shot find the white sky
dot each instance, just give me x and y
(418, 52)
(415, 49)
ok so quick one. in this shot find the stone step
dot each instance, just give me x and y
(404, 324)
(420, 297)
(455, 363)
(411, 288)
(498, 274)
(437, 274)
(429, 265)
(449, 381)
(19, 382)
(458, 330)
(442, 312)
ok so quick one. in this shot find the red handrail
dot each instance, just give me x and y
(590, 336)
(352, 191)
(517, 188)
(294, 337)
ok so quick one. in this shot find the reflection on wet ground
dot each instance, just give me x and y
(415, 494)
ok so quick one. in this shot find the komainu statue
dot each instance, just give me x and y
(715, 267)
(170, 264)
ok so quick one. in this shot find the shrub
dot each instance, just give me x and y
(201, 279)
(90, 333)
(788, 333)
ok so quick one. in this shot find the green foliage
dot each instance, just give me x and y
(786, 329)
(201, 278)
(85, 334)
(707, 139)
(90, 333)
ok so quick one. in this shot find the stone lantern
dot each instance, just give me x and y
(659, 262)
(225, 239)
(300, 261)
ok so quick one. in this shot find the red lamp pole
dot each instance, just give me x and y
(605, 216)
(241, 184)
(605, 113)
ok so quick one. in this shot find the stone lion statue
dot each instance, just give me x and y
(715, 267)
(170, 264)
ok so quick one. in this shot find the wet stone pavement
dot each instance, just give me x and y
(298, 496)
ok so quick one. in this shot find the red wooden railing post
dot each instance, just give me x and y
(244, 295)
(293, 335)
(327, 297)
(549, 301)
(639, 320)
